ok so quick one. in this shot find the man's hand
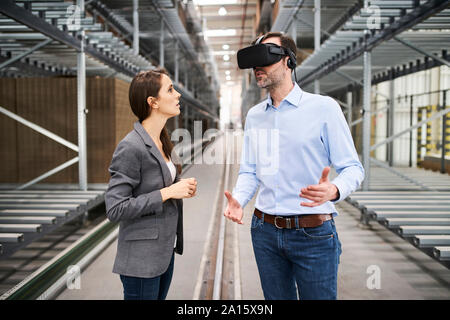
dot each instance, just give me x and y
(321, 192)
(234, 210)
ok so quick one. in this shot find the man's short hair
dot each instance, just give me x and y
(285, 40)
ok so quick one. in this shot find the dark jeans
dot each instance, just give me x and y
(306, 257)
(156, 288)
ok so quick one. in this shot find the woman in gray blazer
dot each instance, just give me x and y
(145, 191)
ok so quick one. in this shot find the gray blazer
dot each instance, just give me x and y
(147, 225)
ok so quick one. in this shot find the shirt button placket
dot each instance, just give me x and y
(276, 174)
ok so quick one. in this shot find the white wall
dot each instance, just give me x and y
(420, 82)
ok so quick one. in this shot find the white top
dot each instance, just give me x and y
(172, 169)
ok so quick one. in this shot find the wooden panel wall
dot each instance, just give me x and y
(44, 102)
(124, 117)
(100, 95)
(8, 132)
(52, 104)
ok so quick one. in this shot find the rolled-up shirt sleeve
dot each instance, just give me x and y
(247, 182)
(125, 176)
(341, 151)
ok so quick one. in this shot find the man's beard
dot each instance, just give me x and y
(271, 80)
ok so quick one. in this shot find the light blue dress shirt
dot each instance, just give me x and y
(286, 148)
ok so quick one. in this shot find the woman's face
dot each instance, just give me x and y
(168, 101)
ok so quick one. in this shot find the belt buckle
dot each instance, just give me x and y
(275, 222)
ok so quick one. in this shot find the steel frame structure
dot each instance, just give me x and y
(50, 21)
(355, 39)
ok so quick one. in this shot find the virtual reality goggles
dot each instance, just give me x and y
(264, 54)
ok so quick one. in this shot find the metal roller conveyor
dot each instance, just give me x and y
(442, 253)
(401, 202)
(48, 196)
(384, 214)
(37, 213)
(53, 192)
(393, 197)
(395, 222)
(393, 207)
(409, 231)
(397, 193)
(25, 219)
(422, 241)
(20, 228)
(40, 206)
(11, 237)
(42, 201)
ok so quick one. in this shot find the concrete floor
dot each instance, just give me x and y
(405, 272)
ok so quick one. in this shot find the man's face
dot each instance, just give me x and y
(271, 76)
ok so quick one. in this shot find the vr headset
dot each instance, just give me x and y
(264, 54)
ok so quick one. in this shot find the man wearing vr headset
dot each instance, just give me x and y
(293, 232)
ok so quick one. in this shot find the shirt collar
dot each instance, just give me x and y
(292, 98)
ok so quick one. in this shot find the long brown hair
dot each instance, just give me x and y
(147, 84)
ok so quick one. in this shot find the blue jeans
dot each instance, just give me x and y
(156, 288)
(304, 257)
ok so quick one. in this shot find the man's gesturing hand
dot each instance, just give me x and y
(234, 210)
(321, 192)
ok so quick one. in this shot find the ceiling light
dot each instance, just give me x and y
(220, 32)
(222, 11)
(227, 72)
(228, 78)
(225, 47)
(221, 53)
(213, 2)
(226, 57)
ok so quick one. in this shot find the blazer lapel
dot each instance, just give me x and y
(153, 149)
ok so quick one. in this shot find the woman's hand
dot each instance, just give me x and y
(185, 188)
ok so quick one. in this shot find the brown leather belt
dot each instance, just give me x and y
(304, 221)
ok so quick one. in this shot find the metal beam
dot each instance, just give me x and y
(161, 45)
(135, 27)
(366, 119)
(395, 136)
(81, 109)
(316, 38)
(444, 132)
(285, 15)
(25, 17)
(416, 48)
(390, 118)
(294, 30)
(408, 69)
(49, 173)
(398, 173)
(22, 55)
(349, 106)
(359, 82)
(404, 23)
(39, 129)
(176, 62)
(375, 112)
